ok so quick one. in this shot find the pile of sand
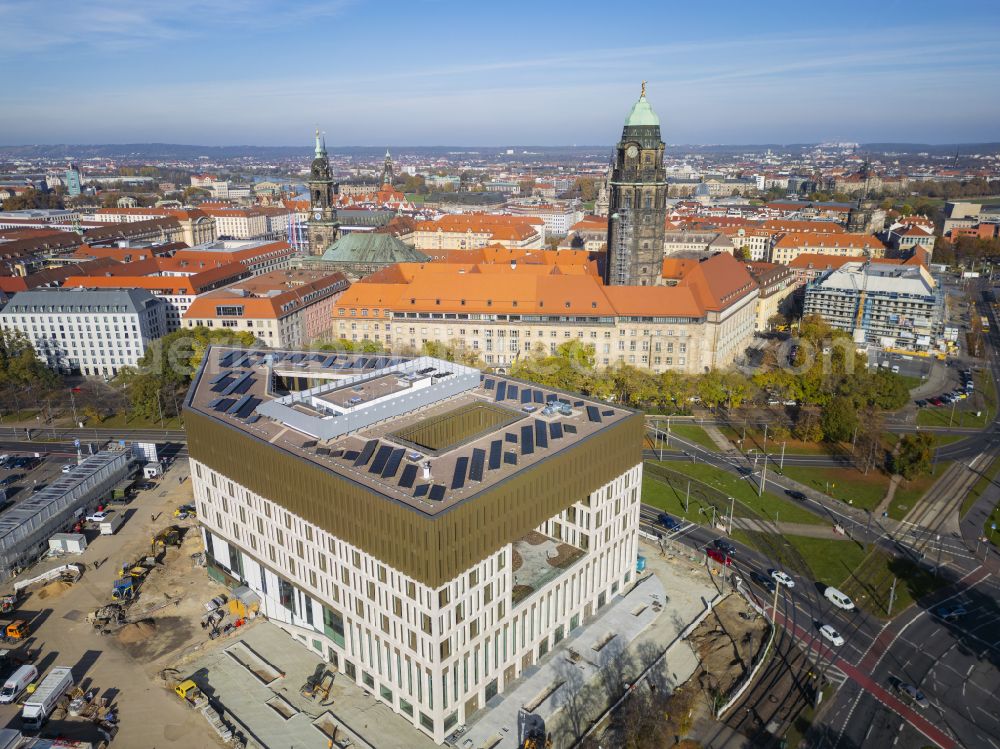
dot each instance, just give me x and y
(136, 632)
(53, 589)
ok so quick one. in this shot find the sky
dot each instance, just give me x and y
(469, 72)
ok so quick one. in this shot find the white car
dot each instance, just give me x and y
(97, 517)
(782, 578)
(832, 635)
(68, 467)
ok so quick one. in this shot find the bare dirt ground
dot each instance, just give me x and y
(726, 643)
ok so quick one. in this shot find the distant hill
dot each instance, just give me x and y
(182, 152)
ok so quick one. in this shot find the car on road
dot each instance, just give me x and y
(912, 693)
(668, 522)
(763, 581)
(782, 578)
(920, 403)
(68, 467)
(950, 613)
(831, 635)
(719, 557)
(97, 517)
(724, 546)
(795, 494)
(838, 598)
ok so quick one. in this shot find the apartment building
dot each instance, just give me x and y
(508, 304)
(791, 245)
(260, 256)
(84, 331)
(429, 531)
(175, 281)
(557, 217)
(196, 225)
(695, 242)
(890, 305)
(283, 308)
(470, 231)
(239, 223)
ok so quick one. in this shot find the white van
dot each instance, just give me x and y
(17, 683)
(838, 598)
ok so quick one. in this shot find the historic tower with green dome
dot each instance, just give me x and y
(637, 207)
(323, 226)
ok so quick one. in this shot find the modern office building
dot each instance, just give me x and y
(87, 331)
(894, 306)
(429, 530)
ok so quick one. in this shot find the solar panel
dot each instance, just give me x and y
(496, 446)
(324, 451)
(296, 358)
(538, 396)
(242, 387)
(309, 444)
(609, 412)
(393, 465)
(442, 375)
(577, 404)
(212, 404)
(329, 360)
(512, 392)
(253, 419)
(593, 414)
(510, 437)
(223, 404)
(525, 396)
(362, 362)
(336, 453)
(458, 477)
(218, 378)
(366, 453)
(527, 440)
(228, 358)
(409, 475)
(421, 490)
(476, 466)
(437, 492)
(489, 384)
(555, 430)
(222, 384)
(381, 362)
(231, 388)
(569, 428)
(381, 457)
(501, 391)
(350, 455)
(510, 458)
(317, 357)
(541, 434)
(239, 404)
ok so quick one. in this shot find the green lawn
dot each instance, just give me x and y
(908, 493)
(828, 560)
(871, 582)
(755, 440)
(728, 485)
(693, 433)
(988, 477)
(118, 422)
(846, 484)
(669, 497)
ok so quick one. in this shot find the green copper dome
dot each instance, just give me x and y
(642, 114)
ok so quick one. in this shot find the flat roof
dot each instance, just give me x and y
(424, 432)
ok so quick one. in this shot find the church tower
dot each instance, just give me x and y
(388, 174)
(323, 225)
(637, 203)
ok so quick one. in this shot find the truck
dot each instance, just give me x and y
(111, 523)
(40, 704)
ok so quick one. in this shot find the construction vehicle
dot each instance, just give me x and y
(44, 699)
(124, 589)
(169, 536)
(16, 631)
(107, 617)
(188, 691)
(8, 603)
(318, 685)
(186, 511)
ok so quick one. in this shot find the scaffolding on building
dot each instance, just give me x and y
(619, 273)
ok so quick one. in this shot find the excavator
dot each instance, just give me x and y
(169, 536)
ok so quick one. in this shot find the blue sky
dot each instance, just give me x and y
(443, 72)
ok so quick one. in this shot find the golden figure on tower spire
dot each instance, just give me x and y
(643, 89)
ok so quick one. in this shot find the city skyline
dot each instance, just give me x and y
(220, 75)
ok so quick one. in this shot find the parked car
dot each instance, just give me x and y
(719, 557)
(781, 578)
(724, 546)
(912, 693)
(795, 494)
(763, 581)
(668, 522)
(97, 517)
(920, 403)
(935, 401)
(830, 634)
